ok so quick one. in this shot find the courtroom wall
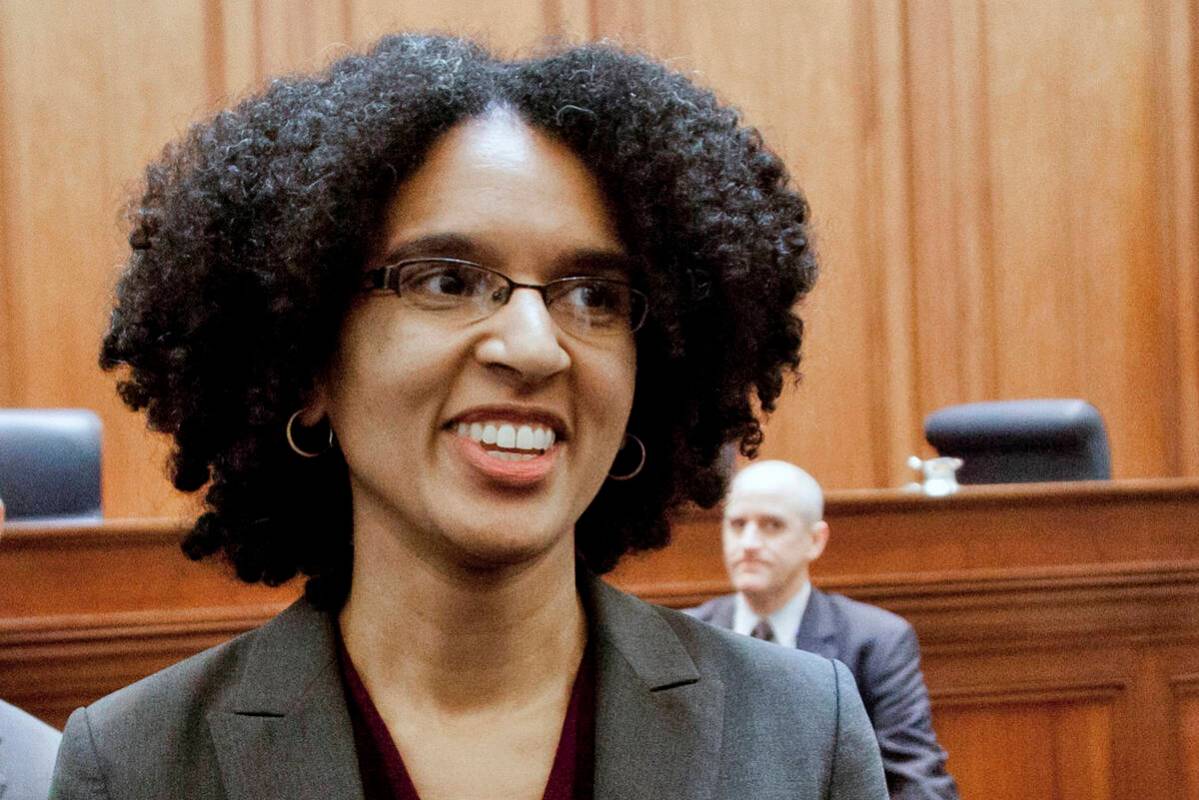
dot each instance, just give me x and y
(1004, 194)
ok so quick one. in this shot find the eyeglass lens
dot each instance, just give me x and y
(585, 306)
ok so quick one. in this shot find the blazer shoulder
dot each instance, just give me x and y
(795, 710)
(776, 671)
(855, 614)
(203, 680)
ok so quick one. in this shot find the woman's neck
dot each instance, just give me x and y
(461, 638)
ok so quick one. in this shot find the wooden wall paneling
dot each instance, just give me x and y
(252, 42)
(91, 93)
(1185, 688)
(1058, 625)
(1077, 251)
(824, 84)
(9, 367)
(1047, 749)
(952, 251)
(1174, 82)
(510, 26)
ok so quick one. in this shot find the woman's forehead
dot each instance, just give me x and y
(500, 183)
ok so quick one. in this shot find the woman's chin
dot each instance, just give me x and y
(504, 547)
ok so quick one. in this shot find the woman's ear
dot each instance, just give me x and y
(317, 407)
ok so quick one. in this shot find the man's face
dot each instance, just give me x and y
(767, 542)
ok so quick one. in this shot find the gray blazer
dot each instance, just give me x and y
(881, 651)
(27, 748)
(683, 711)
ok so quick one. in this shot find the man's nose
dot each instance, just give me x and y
(523, 338)
(751, 536)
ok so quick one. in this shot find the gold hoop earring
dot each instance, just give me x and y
(295, 448)
(640, 464)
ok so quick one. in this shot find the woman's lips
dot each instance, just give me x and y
(517, 474)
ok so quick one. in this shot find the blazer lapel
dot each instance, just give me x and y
(817, 633)
(658, 721)
(287, 733)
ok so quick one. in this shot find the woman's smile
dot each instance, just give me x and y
(516, 448)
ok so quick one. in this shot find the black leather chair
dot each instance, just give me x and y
(1022, 441)
(50, 464)
(28, 748)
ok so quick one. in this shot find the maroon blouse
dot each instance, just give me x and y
(382, 769)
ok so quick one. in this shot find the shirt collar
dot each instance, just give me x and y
(784, 622)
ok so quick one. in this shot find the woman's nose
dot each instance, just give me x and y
(522, 337)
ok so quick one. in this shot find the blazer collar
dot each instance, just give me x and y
(817, 629)
(658, 720)
(287, 732)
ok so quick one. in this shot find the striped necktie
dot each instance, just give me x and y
(763, 631)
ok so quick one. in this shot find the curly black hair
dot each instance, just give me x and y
(247, 244)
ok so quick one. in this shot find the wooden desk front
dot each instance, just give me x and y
(1059, 623)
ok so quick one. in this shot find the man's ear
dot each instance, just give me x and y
(819, 534)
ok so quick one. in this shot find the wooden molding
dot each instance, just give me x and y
(1026, 693)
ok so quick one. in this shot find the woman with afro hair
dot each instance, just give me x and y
(449, 335)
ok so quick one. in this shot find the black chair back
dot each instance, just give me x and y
(1022, 441)
(50, 463)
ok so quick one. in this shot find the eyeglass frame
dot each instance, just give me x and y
(380, 279)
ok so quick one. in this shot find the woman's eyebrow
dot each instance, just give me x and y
(603, 263)
(448, 245)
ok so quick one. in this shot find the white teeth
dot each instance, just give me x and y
(506, 437)
(509, 436)
(524, 438)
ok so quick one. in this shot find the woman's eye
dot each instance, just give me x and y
(598, 296)
(447, 280)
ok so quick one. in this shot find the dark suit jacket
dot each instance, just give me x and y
(880, 650)
(680, 714)
(27, 748)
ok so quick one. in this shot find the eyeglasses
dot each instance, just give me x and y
(466, 292)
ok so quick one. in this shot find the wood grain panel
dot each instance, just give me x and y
(1186, 719)
(91, 92)
(1060, 635)
(1175, 83)
(1004, 194)
(823, 82)
(952, 250)
(509, 26)
(1054, 751)
(1078, 261)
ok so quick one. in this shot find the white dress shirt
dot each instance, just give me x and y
(784, 622)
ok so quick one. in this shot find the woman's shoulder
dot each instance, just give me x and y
(735, 658)
(157, 727)
(207, 680)
(204, 680)
(751, 671)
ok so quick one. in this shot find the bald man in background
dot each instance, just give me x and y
(773, 529)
